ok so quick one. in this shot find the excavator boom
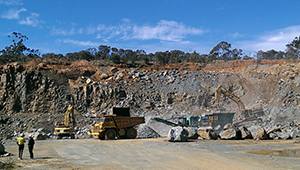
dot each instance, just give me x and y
(220, 90)
(67, 115)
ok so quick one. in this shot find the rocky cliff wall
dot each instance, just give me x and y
(44, 89)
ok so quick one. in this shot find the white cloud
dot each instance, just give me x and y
(163, 30)
(273, 40)
(171, 35)
(71, 31)
(80, 43)
(62, 32)
(31, 20)
(12, 13)
(11, 2)
(93, 30)
(236, 35)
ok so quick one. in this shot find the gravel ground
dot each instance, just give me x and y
(155, 154)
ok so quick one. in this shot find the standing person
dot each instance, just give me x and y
(21, 141)
(30, 146)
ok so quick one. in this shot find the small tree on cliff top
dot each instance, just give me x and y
(17, 51)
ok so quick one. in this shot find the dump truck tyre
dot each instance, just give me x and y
(101, 137)
(131, 133)
(110, 134)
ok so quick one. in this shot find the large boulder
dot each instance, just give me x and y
(161, 128)
(207, 133)
(228, 134)
(258, 132)
(289, 132)
(295, 133)
(39, 134)
(178, 134)
(283, 135)
(261, 134)
(227, 126)
(245, 133)
(191, 132)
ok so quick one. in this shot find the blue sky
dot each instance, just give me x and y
(63, 26)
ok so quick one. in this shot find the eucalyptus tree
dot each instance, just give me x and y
(293, 48)
(222, 51)
(17, 51)
(103, 52)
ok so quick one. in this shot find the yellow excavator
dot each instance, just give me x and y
(64, 129)
(220, 90)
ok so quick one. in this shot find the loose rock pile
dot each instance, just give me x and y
(230, 132)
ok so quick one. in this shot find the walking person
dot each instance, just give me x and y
(21, 141)
(30, 146)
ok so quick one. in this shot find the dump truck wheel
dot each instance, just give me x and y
(101, 137)
(131, 133)
(110, 134)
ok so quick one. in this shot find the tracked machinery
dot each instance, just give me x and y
(65, 129)
(243, 113)
(220, 90)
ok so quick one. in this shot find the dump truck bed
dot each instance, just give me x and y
(124, 122)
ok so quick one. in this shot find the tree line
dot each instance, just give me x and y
(18, 52)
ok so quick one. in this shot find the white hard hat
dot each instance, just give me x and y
(22, 135)
(30, 136)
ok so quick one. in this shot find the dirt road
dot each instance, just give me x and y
(155, 154)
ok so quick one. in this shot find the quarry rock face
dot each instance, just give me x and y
(36, 95)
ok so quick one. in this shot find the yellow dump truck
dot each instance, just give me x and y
(111, 127)
(117, 125)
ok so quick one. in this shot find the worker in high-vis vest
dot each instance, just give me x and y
(21, 142)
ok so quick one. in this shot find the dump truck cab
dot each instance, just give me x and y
(105, 123)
